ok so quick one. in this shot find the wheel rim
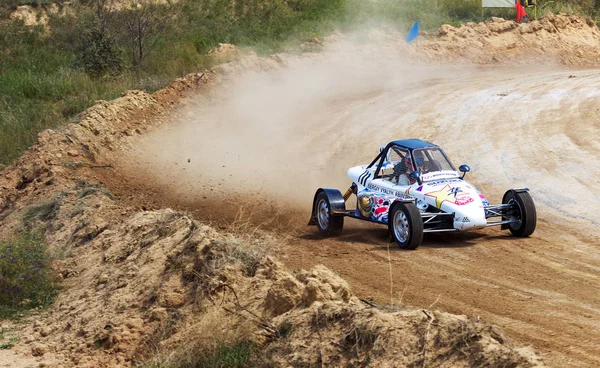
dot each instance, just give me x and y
(401, 229)
(323, 214)
(516, 225)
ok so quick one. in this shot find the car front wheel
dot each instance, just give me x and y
(406, 225)
(523, 210)
(328, 224)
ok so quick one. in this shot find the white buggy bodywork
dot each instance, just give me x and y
(446, 191)
(413, 188)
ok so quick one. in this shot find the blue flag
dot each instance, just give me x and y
(413, 33)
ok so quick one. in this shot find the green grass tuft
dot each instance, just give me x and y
(240, 354)
(8, 338)
(237, 355)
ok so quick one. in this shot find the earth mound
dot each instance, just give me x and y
(571, 40)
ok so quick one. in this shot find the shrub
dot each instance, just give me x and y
(98, 55)
(26, 277)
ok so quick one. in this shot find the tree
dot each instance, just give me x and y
(104, 12)
(145, 22)
(97, 51)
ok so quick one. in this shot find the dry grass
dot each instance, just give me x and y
(360, 339)
(216, 258)
(359, 336)
(252, 224)
(88, 189)
(204, 266)
(163, 331)
(45, 211)
(217, 340)
(165, 227)
(447, 343)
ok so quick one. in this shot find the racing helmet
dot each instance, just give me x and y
(407, 163)
(419, 158)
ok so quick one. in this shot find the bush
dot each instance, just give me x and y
(26, 277)
(98, 55)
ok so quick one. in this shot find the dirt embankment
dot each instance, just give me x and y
(570, 40)
(138, 282)
(32, 16)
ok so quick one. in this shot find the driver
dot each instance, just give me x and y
(402, 171)
(407, 164)
(420, 162)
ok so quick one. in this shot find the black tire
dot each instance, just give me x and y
(524, 211)
(406, 225)
(327, 223)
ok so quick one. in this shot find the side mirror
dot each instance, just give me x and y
(417, 176)
(464, 168)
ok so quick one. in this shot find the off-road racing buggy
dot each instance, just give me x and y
(413, 188)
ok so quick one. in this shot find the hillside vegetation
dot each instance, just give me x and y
(51, 72)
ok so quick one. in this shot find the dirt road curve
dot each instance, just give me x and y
(274, 138)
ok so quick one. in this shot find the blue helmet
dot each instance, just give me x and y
(419, 158)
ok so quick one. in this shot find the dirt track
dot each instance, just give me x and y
(277, 137)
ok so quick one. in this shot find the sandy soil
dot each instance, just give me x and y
(11, 359)
(280, 135)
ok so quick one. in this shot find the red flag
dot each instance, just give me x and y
(520, 12)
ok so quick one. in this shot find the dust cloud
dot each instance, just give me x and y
(279, 135)
(274, 137)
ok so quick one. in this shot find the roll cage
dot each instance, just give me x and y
(401, 151)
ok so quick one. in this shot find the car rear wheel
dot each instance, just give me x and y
(523, 211)
(406, 225)
(327, 223)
